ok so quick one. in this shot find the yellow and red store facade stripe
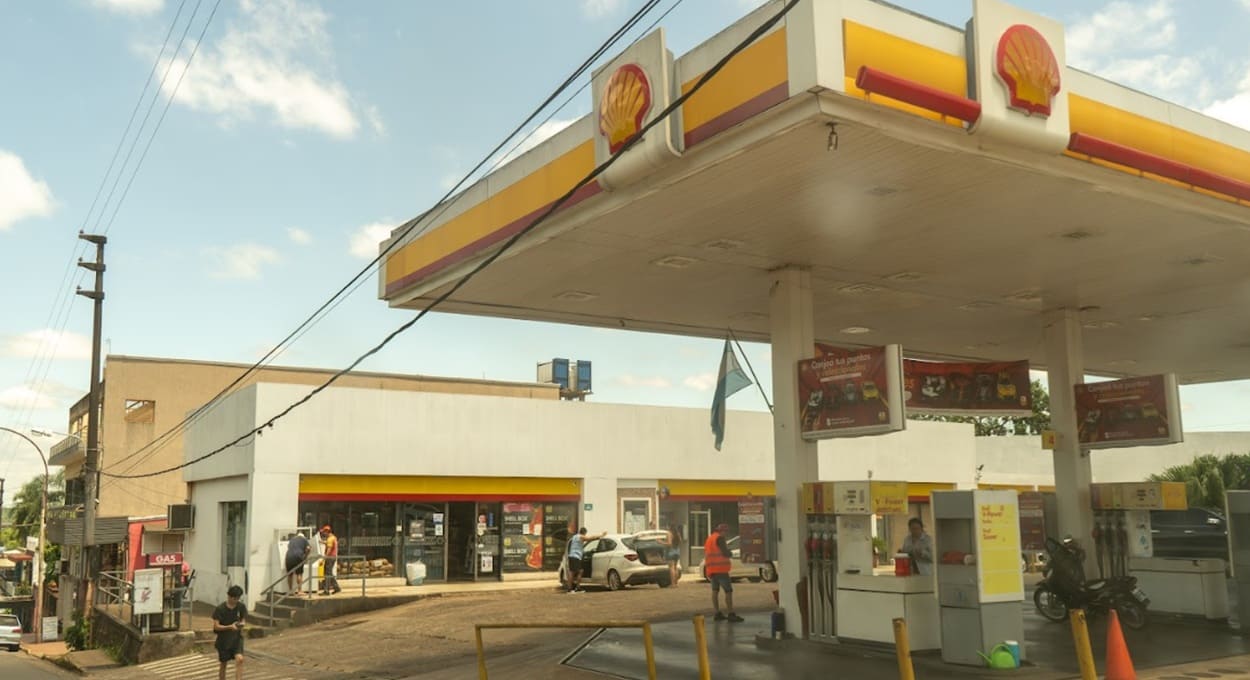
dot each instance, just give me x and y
(709, 490)
(416, 488)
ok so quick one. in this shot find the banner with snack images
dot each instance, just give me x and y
(851, 392)
(966, 388)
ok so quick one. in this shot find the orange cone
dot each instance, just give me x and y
(1119, 664)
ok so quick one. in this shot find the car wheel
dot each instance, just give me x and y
(768, 572)
(614, 581)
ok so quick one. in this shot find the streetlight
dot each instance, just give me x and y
(37, 573)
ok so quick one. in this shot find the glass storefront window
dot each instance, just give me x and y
(365, 529)
(559, 521)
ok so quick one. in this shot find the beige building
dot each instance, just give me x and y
(145, 398)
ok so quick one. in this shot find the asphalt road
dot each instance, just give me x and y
(19, 666)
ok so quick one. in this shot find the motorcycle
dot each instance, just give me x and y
(1063, 588)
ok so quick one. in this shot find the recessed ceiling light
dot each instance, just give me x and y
(1149, 317)
(576, 296)
(1100, 325)
(1030, 295)
(882, 190)
(723, 244)
(1077, 234)
(748, 316)
(1122, 362)
(1090, 308)
(1201, 260)
(674, 261)
(905, 277)
(859, 289)
(976, 305)
(856, 330)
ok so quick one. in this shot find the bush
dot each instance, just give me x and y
(78, 636)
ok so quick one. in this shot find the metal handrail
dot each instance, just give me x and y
(308, 562)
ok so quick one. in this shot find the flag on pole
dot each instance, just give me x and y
(728, 381)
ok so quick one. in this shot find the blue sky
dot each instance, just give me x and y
(304, 129)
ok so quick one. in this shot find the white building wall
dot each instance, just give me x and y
(274, 507)
(924, 452)
(203, 548)
(1021, 460)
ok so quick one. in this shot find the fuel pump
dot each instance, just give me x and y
(822, 568)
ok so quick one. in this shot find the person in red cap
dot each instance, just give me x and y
(330, 580)
(716, 556)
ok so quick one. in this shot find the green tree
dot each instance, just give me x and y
(22, 518)
(997, 426)
(1207, 477)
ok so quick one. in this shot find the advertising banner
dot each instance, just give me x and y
(752, 531)
(1032, 521)
(888, 498)
(522, 537)
(998, 547)
(949, 388)
(1130, 412)
(851, 392)
(149, 591)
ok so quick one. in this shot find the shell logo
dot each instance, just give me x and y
(625, 104)
(1028, 67)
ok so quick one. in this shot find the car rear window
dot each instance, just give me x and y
(8, 621)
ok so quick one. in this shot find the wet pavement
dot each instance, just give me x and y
(734, 653)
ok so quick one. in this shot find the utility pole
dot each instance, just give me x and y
(91, 468)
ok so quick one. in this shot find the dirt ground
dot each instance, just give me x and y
(434, 638)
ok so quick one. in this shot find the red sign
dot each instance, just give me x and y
(1130, 412)
(164, 559)
(751, 531)
(626, 102)
(1032, 521)
(967, 388)
(850, 392)
(1028, 68)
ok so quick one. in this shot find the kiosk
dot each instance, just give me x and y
(1123, 544)
(980, 586)
(876, 600)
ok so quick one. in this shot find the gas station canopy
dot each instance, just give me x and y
(937, 217)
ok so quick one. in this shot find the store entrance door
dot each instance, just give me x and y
(461, 541)
(700, 529)
(424, 539)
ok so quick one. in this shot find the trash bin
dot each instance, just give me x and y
(416, 573)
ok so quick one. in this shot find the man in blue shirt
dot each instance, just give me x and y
(297, 549)
(577, 545)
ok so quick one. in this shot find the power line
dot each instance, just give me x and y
(488, 261)
(432, 214)
(58, 311)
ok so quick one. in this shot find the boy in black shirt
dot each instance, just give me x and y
(227, 624)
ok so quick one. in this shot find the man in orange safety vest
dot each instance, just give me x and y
(716, 564)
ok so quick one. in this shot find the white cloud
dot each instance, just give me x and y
(61, 344)
(49, 395)
(542, 133)
(274, 58)
(702, 382)
(596, 9)
(365, 240)
(21, 196)
(1120, 26)
(1236, 108)
(241, 261)
(654, 382)
(131, 6)
(1135, 44)
(375, 120)
(299, 236)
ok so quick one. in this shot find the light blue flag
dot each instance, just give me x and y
(728, 381)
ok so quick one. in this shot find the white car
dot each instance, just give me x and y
(619, 560)
(10, 632)
(760, 571)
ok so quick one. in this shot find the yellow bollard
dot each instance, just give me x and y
(481, 654)
(1084, 654)
(700, 643)
(650, 647)
(903, 648)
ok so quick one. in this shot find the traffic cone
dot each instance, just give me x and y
(1119, 664)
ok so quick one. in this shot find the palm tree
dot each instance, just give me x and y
(1208, 477)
